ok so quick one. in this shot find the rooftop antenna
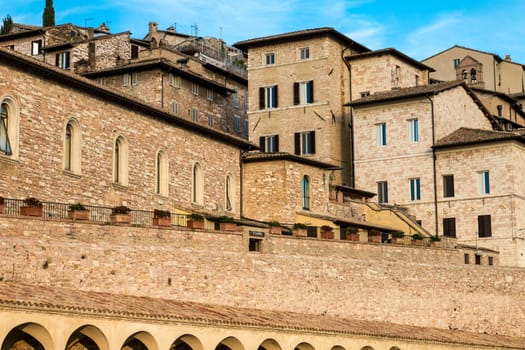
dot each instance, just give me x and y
(86, 20)
(194, 30)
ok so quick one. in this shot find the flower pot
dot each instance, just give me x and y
(120, 218)
(353, 237)
(275, 230)
(2, 208)
(31, 211)
(374, 238)
(299, 232)
(398, 240)
(327, 234)
(417, 242)
(162, 221)
(227, 226)
(195, 224)
(78, 214)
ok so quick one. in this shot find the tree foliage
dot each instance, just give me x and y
(48, 19)
(7, 24)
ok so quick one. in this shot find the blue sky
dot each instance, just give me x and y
(419, 29)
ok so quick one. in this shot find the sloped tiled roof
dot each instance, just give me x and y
(467, 136)
(78, 302)
(389, 51)
(300, 34)
(270, 156)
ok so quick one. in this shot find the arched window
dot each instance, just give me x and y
(197, 189)
(464, 74)
(72, 147)
(161, 181)
(473, 75)
(120, 162)
(305, 190)
(229, 193)
(8, 128)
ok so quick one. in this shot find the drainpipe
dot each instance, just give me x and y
(434, 171)
(352, 166)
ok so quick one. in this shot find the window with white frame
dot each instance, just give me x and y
(174, 108)
(413, 130)
(174, 81)
(484, 182)
(62, 60)
(415, 189)
(269, 58)
(236, 99)
(305, 192)
(210, 119)
(36, 47)
(195, 114)
(381, 134)
(130, 79)
(303, 92)
(237, 123)
(304, 53)
(5, 128)
(304, 142)
(195, 88)
(382, 192)
(268, 97)
(269, 143)
(209, 94)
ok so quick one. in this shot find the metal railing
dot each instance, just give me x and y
(60, 211)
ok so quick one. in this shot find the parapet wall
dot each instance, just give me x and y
(406, 285)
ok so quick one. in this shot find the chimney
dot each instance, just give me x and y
(507, 58)
(172, 29)
(91, 33)
(153, 34)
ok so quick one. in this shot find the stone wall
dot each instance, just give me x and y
(398, 284)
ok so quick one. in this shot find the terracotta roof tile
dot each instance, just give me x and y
(467, 136)
(17, 295)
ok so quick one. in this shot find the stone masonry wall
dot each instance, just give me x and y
(407, 285)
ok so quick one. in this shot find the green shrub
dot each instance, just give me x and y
(157, 213)
(299, 226)
(225, 219)
(417, 236)
(33, 202)
(398, 234)
(196, 217)
(122, 209)
(77, 206)
(274, 223)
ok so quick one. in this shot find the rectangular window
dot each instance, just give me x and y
(303, 92)
(270, 58)
(62, 60)
(237, 123)
(484, 182)
(130, 79)
(449, 227)
(491, 260)
(175, 108)
(417, 80)
(36, 47)
(269, 143)
(268, 97)
(210, 119)
(194, 88)
(381, 134)
(456, 62)
(209, 94)
(246, 127)
(413, 130)
(382, 192)
(466, 258)
(236, 99)
(134, 78)
(304, 142)
(477, 259)
(195, 114)
(304, 53)
(415, 189)
(174, 81)
(484, 226)
(254, 245)
(246, 104)
(134, 52)
(448, 186)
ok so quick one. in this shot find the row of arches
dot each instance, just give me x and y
(33, 336)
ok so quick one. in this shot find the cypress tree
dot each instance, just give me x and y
(7, 24)
(48, 19)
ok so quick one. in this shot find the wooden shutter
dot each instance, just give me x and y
(296, 99)
(276, 99)
(311, 91)
(297, 143)
(484, 226)
(262, 143)
(262, 102)
(312, 141)
(67, 60)
(449, 227)
(276, 138)
(57, 60)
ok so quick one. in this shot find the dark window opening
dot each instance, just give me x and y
(478, 259)
(254, 245)
(449, 227)
(466, 258)
(484, 226)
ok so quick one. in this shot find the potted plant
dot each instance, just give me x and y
(161, 217)
(398, 237)
(435, 241)
(352, 233)
(77, 212)
(327, 232)
(2, 205)
(374, 236)
(299, 229)
(275, 227)
(195, 221)
(226, 223)
(417, 239)
(120, 214)
(31, 207)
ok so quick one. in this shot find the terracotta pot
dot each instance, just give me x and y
(353, 237)
(120, 218)
(275, 230)
(78, 214)
(195, 224)
(327, 234)
(162, 221)
(374, 238)
(31, 211)
(417, 242)
(2, 208)
(227, 226)
(299, 232)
